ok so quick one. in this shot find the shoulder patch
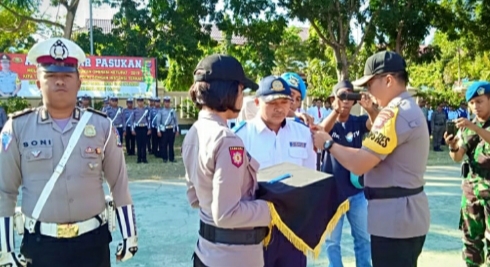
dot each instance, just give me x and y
(298, 120)
(239, 126)
(21, 113)
(97, 112)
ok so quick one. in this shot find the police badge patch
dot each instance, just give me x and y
(236, 154)
(118, 137)
(6, 140)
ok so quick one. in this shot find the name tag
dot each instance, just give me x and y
(297, 144)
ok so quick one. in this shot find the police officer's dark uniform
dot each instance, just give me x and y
(129, 138)
(115, 114)
(155, 140)
(168, 126)
(150, 108)
(140, 123)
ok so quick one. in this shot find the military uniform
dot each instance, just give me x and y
(129, 138)
(475, 219)
(9, 80)
(141, 128)
(438, 125)
(168, 126)
(61, 164)
(116, 115)
(155, 140)
(3, 118)
(221, 178)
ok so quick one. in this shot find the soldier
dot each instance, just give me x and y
(3, 118)
(221, 175)
(155, 140)
(168, 129)
(115, 114)
(140, 123)
(59, 153)
(129, 138)
(393, 159)
(438, 124)
(472, 139)
(9, 80)
(271, 139)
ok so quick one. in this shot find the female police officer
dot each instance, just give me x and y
(221, 175)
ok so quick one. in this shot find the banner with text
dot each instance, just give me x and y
(101, 77)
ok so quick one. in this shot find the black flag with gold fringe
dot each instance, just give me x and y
(304, 204)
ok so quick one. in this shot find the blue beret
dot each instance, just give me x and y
(477, 89)
(273, 87)
(295, 82)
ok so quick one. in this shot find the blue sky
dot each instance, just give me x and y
(105, 12)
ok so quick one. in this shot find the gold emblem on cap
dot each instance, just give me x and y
(89, 131)
(480, 91)
(277, 86)
(294, 82)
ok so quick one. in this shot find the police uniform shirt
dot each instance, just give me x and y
(153, 111)
(292, 143)
(140, 118)
(349, 134)
(8, 81)
(116, 115)
(400, 138)
(32, 146)
(221, 181)
(167, 117)
(127, 114)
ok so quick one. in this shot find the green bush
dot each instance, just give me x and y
(189, 109)
(14, 104)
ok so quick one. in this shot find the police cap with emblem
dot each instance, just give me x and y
(56, 55)
(157, 99)
(222, 68)
(5, 58)
(477, 89)
(289, 188)
(140, 98)
(166, 99)
(85, 97)
(295, 82)
(273, 87)
(114, 98)
(129, 100)
(379, 63)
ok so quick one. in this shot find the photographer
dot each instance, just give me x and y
(472, 139)
(348, 130)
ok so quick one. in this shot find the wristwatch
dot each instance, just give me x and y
(328, 144)
(454, 150)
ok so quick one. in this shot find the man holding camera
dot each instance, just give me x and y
(348, 130)
(472, 139)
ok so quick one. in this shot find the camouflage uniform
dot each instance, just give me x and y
(475, 203)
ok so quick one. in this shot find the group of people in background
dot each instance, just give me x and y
(146, 128)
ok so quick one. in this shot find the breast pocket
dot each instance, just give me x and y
(91, 160)
(35, 161)
(297, 155)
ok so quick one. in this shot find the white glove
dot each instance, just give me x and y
(9, 259)
(127, 249)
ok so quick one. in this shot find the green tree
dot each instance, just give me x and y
(15, 32)
(292, 53)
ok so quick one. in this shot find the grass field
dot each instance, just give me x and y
(157, 170)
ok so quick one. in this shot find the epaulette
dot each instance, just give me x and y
(21, 113)
(238, 126)
(298, 120)
(97, 112)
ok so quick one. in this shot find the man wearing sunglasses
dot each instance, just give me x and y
(393, 159)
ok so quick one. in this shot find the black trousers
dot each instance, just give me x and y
(390, 252)
(197, 262)
(148, 143)
(155, 142)
(88, 250)
(120, 131)
(167, 145)
(130, 142)
(141, 140)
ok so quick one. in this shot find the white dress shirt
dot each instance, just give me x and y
(318, 114)
(292, 143)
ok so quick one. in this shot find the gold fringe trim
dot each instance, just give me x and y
(294, 239)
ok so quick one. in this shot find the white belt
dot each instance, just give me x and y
(66, 230)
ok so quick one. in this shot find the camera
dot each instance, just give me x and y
(350, 96)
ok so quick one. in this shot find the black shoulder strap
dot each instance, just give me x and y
(22, 113)
(97, 112)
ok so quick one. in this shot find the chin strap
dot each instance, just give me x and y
(6, 234)
(127, 221)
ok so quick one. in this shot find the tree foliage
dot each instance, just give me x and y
(15, 32)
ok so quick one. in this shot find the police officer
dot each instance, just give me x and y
(271, 139)
(168, 129)
(62, 196)
(155, 140)
(9, 80)
(129, 137)
(438, 121)
(472, 139)
(85, 101)
(393, 159)
(141, 128)
(115, 114)
(220, 173)
(150, 107)
(105, 105)
(3, 118)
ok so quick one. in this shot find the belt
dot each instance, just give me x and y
(169, 127)
(66, 230)
(142, 125)
(119, 126)
(390, 192)
(232, 236)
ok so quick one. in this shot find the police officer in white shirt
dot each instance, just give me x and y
(272, 139)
